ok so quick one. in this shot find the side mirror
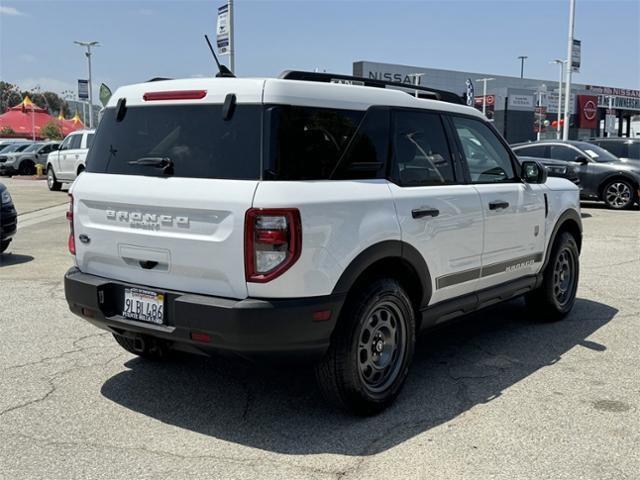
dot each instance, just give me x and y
(533, 172)
(581, 159)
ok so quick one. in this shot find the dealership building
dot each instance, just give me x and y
(521, 106)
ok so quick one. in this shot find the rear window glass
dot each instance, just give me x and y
(196, 138)
(306, 143)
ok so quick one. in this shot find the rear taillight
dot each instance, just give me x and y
(72, 239)
(272, 242)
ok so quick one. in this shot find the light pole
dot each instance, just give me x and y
(541, 90)
(522, 59)
(567, 91)
(232, 47)
(416, 80)
(561, 64)
(484, 93)
(88, 54)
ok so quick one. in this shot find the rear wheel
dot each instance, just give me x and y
(554, 299)
(143, 346)
(4, 245)
(52, 181)
(371, 349)
(619, 194)
(27, 168)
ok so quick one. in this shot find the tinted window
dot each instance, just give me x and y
(596, 153)
(75, 142)
(196, 138)
(617, 148)
(46, 149)
(420, 151)
(486, 156)
(305, 143)
(560, 152)
(538, 151)
(65, 143)
(90, 139)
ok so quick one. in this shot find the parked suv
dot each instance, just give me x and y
(24, 162)
(603, 176)
(8, 218)
(311, 220)
(625, 148)
(66, 163)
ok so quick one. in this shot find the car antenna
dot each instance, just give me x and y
(223, 71)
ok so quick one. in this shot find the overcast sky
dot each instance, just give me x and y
(144, 39)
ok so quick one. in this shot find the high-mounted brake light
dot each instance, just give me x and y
(272, 242)
(174, 95)
(72, 240)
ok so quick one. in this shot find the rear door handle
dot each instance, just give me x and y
(498, 204)
(425, 212)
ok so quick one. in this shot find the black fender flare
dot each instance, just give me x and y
(388, 249)
(567, 215)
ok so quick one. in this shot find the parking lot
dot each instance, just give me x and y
(496, 395)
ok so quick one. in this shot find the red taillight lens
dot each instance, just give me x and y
(72, 240)
(273, 242)
(174, 95)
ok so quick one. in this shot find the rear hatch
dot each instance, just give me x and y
(163, 200)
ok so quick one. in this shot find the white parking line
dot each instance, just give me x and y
(39, 216)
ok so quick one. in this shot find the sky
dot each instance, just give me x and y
(145, 39)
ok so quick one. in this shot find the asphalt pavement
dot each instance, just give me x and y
(497, 395)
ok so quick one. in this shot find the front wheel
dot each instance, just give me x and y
(52, 182)
(619, 194)
(554, 299)
(371, 349)
(27, 168)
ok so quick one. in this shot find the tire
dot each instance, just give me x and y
(145, 347)
(371, 349)
(27, 168)
(555, 298)
(52, 182)
(80, 170)
(4, 245)
(619, 194)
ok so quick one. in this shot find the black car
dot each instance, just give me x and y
(555, 168)
(603, 176)
(625, 148)
(8, 218)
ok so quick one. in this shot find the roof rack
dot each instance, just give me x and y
(424, 92)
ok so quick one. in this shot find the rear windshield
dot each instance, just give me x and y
(195, 138)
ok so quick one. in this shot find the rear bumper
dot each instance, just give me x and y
(250, 327)
(8, 222)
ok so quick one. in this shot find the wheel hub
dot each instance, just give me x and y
(618, 194)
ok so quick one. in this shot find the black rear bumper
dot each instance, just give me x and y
(250, 327)
(8, 222)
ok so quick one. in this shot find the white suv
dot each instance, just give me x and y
(298, 217)
(68, 161)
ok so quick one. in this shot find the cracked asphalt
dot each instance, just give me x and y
(497, 395)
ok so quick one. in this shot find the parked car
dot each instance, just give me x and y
(66, 163)
(555, 168)
(4, 142)
(8, 218)
(603, 176)
(24, 162)
(624, 148)
(300, 218)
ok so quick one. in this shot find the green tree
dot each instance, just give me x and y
(9, 96)
(51, 130)
(6, 132)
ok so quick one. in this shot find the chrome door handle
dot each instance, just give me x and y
(498, 204)
(425, 212)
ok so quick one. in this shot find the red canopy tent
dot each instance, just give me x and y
(26, 117)
(70, 125)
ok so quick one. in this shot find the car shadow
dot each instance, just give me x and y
(464, 364)
(9, 258)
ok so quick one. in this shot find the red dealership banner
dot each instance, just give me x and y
(587, 111)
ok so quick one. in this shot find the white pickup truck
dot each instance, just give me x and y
(66, 163)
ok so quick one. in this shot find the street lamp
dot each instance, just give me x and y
(542, 89)
(567, 93)
(522, 59)
(484, 93)
(88, 54)
(561, 64)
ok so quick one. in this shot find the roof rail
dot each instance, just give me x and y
(158, 79)
(424, 92)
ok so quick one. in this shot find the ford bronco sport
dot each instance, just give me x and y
(317, 217)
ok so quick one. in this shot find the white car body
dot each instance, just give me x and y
(70, 158)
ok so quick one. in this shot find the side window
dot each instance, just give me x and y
(487, 158)
(45, 149)
(421, 155)
(560, 152)
(75, 142)
(89, 139)
(537, 151)
(65, 144)
(366, 155)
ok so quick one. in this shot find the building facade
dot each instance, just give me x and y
(520, 107)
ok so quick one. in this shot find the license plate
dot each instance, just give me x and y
(143, 305)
